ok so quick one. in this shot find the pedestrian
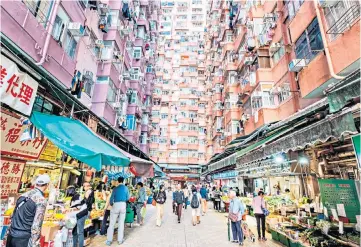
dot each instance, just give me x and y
(85, 206)
(118, 199)
(28, 216)
(236, 210)
(186, 196)
(203, 192)
(212, 197)
(140, 203)
(196, 207)
(178, 197)
(258, 205)
(217, 199)
(107, 209)
(160, 197)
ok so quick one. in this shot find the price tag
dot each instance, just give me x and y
(340, 227)
(298, 212)
(325, 212)
(321, 206)
(341, 210)
(283, 211)
(334, 214)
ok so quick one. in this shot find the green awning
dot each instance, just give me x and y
(263, 141)
(77, 140)
(339, 97)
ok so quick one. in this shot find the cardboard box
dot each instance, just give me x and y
(49, 232)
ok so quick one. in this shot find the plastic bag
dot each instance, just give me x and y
(58, 239)
(64, 234)
(143, 211)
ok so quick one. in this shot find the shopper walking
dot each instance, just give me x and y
(28, 216)
(178, 197)
(236, 210)
(107, 209)
(196, 207)
(160, 197)
(85, 206)
(186, 196)
(141, 202)
(118, 199)
(258, 205)
(217, 199)
(203, 192)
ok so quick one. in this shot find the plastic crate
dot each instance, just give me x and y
(283, 240)
(293, 244)
(275, 236)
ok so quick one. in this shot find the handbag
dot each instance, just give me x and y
(233, 217)
(265, 211)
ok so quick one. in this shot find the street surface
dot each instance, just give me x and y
(211, 232)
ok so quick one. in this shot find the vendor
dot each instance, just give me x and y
(289, 194)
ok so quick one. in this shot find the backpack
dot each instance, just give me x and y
(160, 198)
(179, 197)
(195, 201)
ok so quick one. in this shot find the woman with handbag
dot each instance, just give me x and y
(260, 212)
(236, 210)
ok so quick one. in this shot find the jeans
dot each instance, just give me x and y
(160, 212)
(139, 215)
(103, 229)
(17, 242)
(237, 231)
(117, 213)
(259, 218)
(179, 211)
(78, 237)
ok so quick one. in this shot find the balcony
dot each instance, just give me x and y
(264, 116)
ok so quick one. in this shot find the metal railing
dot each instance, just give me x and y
(345, 21)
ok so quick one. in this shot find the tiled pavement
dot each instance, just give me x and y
(211, 232)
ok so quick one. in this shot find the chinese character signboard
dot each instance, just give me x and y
(10, 176)
(17, 89)
(11, 130)
(356, 141)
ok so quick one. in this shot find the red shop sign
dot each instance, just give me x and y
(10, 176)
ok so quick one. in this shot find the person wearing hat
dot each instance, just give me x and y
(28, 216)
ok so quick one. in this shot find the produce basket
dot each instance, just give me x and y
(283, 239)
(275, 236)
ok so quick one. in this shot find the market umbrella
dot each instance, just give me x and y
(79, 141)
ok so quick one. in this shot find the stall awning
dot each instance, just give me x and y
(77, 140)
(170, 167)
(333, 126)
(158, 171)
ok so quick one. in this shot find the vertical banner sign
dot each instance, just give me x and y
(10, 176)
(11, 130)
(17, 89)
(357, 147)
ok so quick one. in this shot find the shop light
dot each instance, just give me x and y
(279, 159)
(303, 160)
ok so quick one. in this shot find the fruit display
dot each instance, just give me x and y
(95, 214)
(225, 199)
(50, 223)
(278, 200)
(9, 212)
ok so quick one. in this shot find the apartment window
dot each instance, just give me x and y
(143, 138)
(293, 6)
(153, 152)
(43, 105)
(154, 139)
(164, 116)
(278, 54)
(141, 32)
(229, 37)
(60, 24)
(149, 68)
(284, 93)
(201, 156)
(133, 99)
(183, 153)
(145, 119)
(40, 9)
(112, 92)
(70, 45)
(232, 77)
(236, 127)
(162, 140)
(137, 52)
(337, 14)
(135, 73)
(113, 20)
(173, 154)
(193, 140)
(196, 1)
(88, 83)
(193, 127)
(309, 44)
(155, 114)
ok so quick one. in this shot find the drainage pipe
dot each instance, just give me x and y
(49, 31)
(325, 44)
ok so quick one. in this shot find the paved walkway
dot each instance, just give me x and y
(211, 232)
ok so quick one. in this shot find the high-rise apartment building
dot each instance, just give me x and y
(267, 60)
(93, 58)
(178, 137)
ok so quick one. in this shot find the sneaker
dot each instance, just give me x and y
(264, 239)
(241, 243)
(199, 222)
(136, 224)
(259, 238)
(178, 221)
(121, 242)
(108, 243)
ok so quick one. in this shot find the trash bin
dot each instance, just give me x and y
(129, 216)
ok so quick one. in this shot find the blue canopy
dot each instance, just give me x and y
(77, 140)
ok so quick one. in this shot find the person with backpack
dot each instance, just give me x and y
(160, 197)
(195, 205)
(178, 197)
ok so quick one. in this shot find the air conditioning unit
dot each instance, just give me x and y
(274, 47)
(245, 117)
(76, 28)
(122, 97)
(296, 65)
(99, 43)
(249, 60)
(118, 55)
(103, 8)
(328, 3)
(126, 75)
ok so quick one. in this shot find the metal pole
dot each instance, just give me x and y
(61, 169)
(72, 110)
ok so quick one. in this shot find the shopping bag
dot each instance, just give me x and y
(143, 212)
(154, 203)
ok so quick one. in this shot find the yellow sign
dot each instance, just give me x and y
(51, 153)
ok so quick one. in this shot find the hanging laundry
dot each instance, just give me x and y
(125, 10)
